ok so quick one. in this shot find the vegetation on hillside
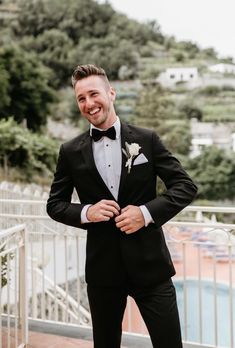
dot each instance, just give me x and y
(48, 38)
(214, 173)
(31, 154)
(162, 115)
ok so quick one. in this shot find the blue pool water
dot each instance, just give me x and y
(208, 312)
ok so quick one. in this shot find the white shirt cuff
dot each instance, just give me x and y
(84, 219)
(147, 216)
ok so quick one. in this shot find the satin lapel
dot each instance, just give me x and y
(86, 147)
(126, 136)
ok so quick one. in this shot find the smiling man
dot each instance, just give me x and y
(114, 168)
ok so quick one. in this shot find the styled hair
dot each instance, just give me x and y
(83, 71)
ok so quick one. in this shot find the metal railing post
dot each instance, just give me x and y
(23, 287)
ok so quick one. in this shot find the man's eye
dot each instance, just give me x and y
(94, 94)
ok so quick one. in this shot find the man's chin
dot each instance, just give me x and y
(97, 122)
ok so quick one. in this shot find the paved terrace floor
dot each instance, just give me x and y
(40, 340)
(51, 335)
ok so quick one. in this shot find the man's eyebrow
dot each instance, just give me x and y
(90, 91)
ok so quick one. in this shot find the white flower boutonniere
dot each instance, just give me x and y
(130, 152)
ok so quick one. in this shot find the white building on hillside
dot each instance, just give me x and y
(183, 74)
(207, 133)
(171, 76)
(223, 68)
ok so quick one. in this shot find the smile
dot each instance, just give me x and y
(93, 112)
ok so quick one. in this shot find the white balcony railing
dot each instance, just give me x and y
(203, 250)
(13, 287)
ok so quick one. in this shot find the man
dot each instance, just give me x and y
(113, 167)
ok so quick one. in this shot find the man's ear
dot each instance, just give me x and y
(112, 94)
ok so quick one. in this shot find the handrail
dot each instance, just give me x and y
(210, 209)
(182, 248)
(192, 208)
(214, 225)
(172, 222)
(25, 201)
(62, 292)
(7, 232)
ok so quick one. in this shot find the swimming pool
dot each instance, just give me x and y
(208, 311)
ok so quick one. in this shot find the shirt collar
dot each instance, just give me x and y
(116, 125)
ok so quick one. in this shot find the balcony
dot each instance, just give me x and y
(44, 299)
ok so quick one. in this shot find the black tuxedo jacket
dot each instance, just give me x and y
(112, 257)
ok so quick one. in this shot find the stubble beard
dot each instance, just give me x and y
(102, 119)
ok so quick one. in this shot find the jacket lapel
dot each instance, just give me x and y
(87, 153)
(126, 136)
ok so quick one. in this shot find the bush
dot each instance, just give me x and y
(227, 88)
(210, 91)
(191, 111)
(30, 153)
(179, 57)
(26, 92)
(214, 173)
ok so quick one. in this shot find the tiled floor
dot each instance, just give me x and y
(41, 340)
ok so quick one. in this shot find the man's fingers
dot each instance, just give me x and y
(130, 220)
(110, 209)
(119, 218)
(125, 209)
(103, 210)
(110, 206)
(110, 203)
(107, 213)
(122, 223)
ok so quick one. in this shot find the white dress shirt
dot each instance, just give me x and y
(108, 160)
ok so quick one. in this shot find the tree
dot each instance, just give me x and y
(191, 48)
(191, 110)
(4, 87)
(55, 50)
(37, 16)
(82, 19)
(110, 53)
(210, 91)
(155, 30)
(176, 135)
(170, 42)
(26, 89)
(27, 151)
(210, 52)
(156, 110)
(179, 56)
(77, 18)
(138, 33)
(214, 173)
(153, 105)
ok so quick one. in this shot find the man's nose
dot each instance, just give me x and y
(89, 103)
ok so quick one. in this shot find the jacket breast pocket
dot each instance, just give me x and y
(140, 172)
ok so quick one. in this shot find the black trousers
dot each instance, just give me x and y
(157, 306)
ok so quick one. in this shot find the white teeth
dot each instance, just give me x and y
(94, 111)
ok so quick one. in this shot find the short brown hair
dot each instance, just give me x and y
(83, 71)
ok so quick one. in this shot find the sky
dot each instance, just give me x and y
(208, 23)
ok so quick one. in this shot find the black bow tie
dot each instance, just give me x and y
(96, 134)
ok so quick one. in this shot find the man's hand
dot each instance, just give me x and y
(130, 220)
(104, 210)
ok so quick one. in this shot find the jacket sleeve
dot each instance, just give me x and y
(180, 189)
(59, 206)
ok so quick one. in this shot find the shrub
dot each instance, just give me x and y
(20, 148)
(210, 90)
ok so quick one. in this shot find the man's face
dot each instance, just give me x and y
(95, 100)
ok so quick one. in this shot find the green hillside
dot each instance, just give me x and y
(41, 42)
